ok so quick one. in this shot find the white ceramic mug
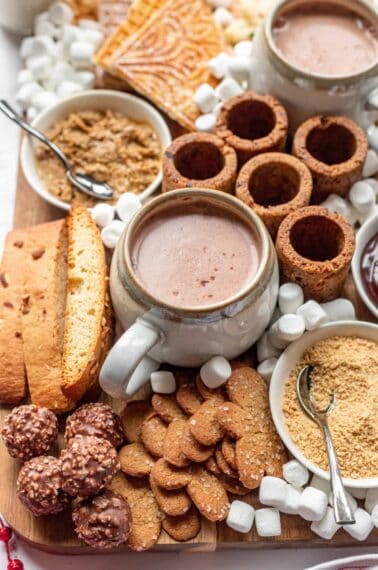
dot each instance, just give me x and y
(18, 15)
(157, 332)
(304, 93)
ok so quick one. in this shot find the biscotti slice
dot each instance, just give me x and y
(87, 309)
(43, 315)
(12, 367)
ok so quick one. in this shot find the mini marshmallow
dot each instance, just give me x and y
(362, 196)
(222, 16)
(95, 37)
(66, 88)
(292, 500)
(275, 340)
(111, 233)
(218, 65)
(336, 203)
(371, 499)
(128, 204)
(290, 297)
(243, 49)
(27, 47)
(373, 182)
(60, 13)
(313, 315)
(362, 527)
(40, 66)
(327, 526)
(321, 484)
(43, 100)
(45, 28)
(70, 34)
(24, 76)
(86, 79)
(102, 214)
(351, 500)
(268, 522)
(374, 516)
(26, 93)
(62, 71)
(272, 491)
(205, 98)
(239, 68)
(265, 349)
(81, 53)
(240, 516)
(363, 218)
(215, 372)
(206, 123)
(58, 53)
(163, 382)
(359, 494)
(219, 3)
(44, 45)
(31, 114)
(228, 88)
(86, 24)
(371, 164)
(339, 310)
(313, 504)
(266, 368)
(295, 473)
(372, 135)
(288, 328)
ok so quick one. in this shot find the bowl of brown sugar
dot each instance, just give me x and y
(344, 356)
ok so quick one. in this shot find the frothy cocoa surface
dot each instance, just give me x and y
(326, 39)
(194, 259)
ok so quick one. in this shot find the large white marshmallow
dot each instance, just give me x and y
(67, 88)
(40, 66)
(111, 233)
(292, 500)
(102, 214)
(205, 98)
(26, 93)
(43, 27)
(62, 71)
(218, 65)
(223, 17)
(268, 522)
(371, 164)
(265, 349)
(215, 372)
(295, 473)
(243, 49)
(43, 100)
(371, 499)
(273, 491)
(239, 68)
(206, 123)
(362, 527)
(362, 196)
(70, 34)
(327, 527)
(290, 297)
(86, 79)
(60, 13)
(95, 37)
(127, 205)
(266, 368)
(313, 504)
(163, 382)
(313, 315)
(288, 328)
(339, 310)
(81, 53)
(240, 516)
(373, 182)
(228, 88)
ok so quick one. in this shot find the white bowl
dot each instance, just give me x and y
(365, 233)
(287, 361)
(128, 105)
(361, 561)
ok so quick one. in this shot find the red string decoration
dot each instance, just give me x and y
(5, 536)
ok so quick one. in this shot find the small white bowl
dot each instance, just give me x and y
(287, 361)
(365, 233)
(99, 99)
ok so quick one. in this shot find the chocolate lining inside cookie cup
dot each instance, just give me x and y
(273, 185)
(253, 124)
(209, 199)
(334, 149)
(199, 160)
(315, 248)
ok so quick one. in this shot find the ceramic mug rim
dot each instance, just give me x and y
(212, 195)
(322, 80)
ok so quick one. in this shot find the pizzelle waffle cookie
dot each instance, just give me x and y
(162, 50)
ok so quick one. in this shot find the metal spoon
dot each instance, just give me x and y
(341, 508)
(81, 181)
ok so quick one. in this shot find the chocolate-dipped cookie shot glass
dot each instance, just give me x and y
(334, 149)
(199, 160)
(253, 124)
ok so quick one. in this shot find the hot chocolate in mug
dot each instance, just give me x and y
(194, 275)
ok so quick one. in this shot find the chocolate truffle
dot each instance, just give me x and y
(29, 431)
(88, 465)
(95, 419)
(39, 486)
(103, 521)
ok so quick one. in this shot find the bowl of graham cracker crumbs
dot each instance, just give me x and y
(344, 356)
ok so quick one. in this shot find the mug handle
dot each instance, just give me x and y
(127, 366)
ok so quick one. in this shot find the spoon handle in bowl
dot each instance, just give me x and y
(341, 508)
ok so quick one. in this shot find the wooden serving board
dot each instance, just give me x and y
(55, 533)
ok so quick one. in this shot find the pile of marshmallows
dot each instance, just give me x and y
(289, 495)
(104, 216)
(58, 59)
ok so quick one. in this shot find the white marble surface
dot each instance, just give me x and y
(36, 560)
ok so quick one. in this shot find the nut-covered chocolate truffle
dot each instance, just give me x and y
(29, 431)
(88, 465)
(39, 486)
(95, 419)
(103, 521)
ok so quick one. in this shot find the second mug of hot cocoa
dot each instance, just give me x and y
(194, 275)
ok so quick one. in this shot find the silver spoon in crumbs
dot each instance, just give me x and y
(341, 508)
(83, 182)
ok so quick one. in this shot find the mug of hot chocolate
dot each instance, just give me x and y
(318, 57)
(194, 275)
